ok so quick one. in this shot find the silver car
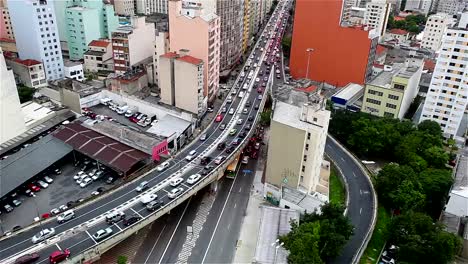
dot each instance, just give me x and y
(43, 235)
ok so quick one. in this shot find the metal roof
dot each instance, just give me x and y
(38, 157)
(100, 147)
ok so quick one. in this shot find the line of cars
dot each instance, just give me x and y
(131, 113)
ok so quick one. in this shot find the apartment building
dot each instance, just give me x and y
(98, 58)
(446, 100)
(86, 21)
(420, 6)
(187, 20)
(29, 73)
(161, 46)
(296, 162)
(254, 17)
(131, 44)
(151, 6)
(451, 7)
(73, 70)
(36, 34)
(6, 29)
(125, 7)
(376, 15)
(246, 39)
(231, 13)
(323, 51)
(434, 31)
(391, 92)
(181, 82)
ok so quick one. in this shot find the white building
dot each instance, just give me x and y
(99, 57)
(296, 146)
(451, 7)
(151, 6)
(446, 100)
(28, 72)
(11, 118)
(434, 31)
(181, 82)
(73, 70)
(161, 46)
(125, 7)
(421, 6)
(37, 35)
(376, 15)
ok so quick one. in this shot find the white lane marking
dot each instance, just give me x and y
(354, 174)
(342, 159)
(235, 205)
(240, 189)
(136, 212)
(58, 246)
(118, 226)
(155, 243)
(91, 237)
(360, 192)
(229, 226)
(220, 215)
(360, 211)
(175, 230)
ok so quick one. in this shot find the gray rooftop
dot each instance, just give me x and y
(384, 79)
(26, 163)
(168, 126)
(308, 202)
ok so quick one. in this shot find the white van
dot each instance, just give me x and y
(246, 86)
(105, 101)
(121, 110)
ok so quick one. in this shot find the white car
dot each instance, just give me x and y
(48, 179)
(102, 233)
(43, 184)
(148, 198)
(239, 121)
(87, 181)
(218, 160)
(82, 177)
(94, 171)
(78, 175)
(163, 166)
(175, 192)
(203, 137)
(63, 208)
(229, 99)
(257, 79)
(65, 216)
(176, 181)
(234, 91)
(231, 111)
(193, 178)
(143, 185)
(97, 176)
(43, 235)
(241, 94)
(191, 155)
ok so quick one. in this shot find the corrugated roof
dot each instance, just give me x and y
(190, 59)
(100, 147)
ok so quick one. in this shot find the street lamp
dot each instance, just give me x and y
(277, 245)
(309, 50)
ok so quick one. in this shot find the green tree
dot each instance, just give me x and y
(389, 179)
(122, 260)
(436, 157)
(430, 127)
(407, 196)
(286, 44)
(303, 243)
(25, 93)
(363, 140)
(265, 117)
(436, 184)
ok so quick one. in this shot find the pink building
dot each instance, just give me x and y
(192, 28)
(6, 29)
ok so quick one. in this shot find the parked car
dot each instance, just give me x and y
(59, 256)
(114, 217)
(193, 178)
(142, 186)
(191, 155)
(97, 176)
(66, 216)
(203, 137)
(102, 234)
(87, 181)
(175, 192)
(27, 259)
(151, 206)
(43, 235)
(92, 172)
(132, 220)
(55, 211)
(33, 187)
(43, 184)
(48, 179)
(163, 166)
(16, 202)
(8, 208)
(176, 181)
(110, 180)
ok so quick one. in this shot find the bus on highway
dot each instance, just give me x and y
(231, 170)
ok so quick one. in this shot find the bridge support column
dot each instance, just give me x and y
(214, 187)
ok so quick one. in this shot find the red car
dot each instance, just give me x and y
(259, 90)
(28, 258)
(59, 256)
(34, 188)
(219, 118)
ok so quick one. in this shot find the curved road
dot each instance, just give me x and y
(360, 208)
(78, 237)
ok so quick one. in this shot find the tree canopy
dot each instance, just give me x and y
(411, 23)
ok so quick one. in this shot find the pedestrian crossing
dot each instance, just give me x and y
(197, 226)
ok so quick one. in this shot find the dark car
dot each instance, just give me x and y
(151, 206)
(251, 118)
(205, 160)
(243, 134)
(247, 104)
(132, 220)
(221, 146)
(207, 169)
(230, 149)
(110, 180)
(256, 107)
(28, 258)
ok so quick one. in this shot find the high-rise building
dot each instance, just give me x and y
(376, 15)
(451, 7)
(131, 44)
(246, 26)
(6, 29)
(161, 46)
(151, 6)
(11, 117)
(125, 7)
(296, 146)
(254, 17)
(421, 6)
(446, 100)
(36, 34)
(86, 21)
(434, 31)
(322, 50)
(181, 82)
(392, 91)
(186, 20)
(231, 13)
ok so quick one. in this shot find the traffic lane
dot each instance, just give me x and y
(45, 253)
(225, 239)
(360, 207)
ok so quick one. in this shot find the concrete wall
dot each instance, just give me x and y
(141, 41)
(187, 84)
(165, 80)
(71, 99)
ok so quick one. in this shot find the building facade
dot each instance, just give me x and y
(376, 16)
(246, 27)
(6, 29)
(420, 6)
(29, 73)
(181, 82)
(11, 117)
(151, 6)
(132, 44)
(187, 20)
(446, 100)
(451, 7)
(73, 70)
(296, 162)
(161, 46)
(86, 21)
(125, 7)
(231, 13)
(36, 34)
(392, 91)
(328, 58)
(434, 31)
(98, 58)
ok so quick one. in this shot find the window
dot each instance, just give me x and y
(393, 97)
(307, 147)
(303, 168)
(392, 106)
(373, 101)
(387, 114)
(398, 86)
(308, 136)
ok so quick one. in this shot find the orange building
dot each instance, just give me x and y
(340, 54)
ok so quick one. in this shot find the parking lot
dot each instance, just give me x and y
(104, 110)
(62, 191)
